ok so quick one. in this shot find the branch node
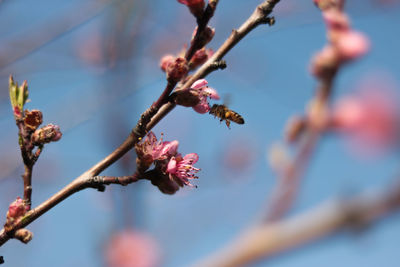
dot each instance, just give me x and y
(23, 235)
(97, 182)
(270, 21)
(220, 64)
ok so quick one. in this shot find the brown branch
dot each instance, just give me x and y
(148, 120)
(267, 240)
(28, 158)
(201, 26)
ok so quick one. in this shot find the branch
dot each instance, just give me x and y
(267, 240)
(148, 120)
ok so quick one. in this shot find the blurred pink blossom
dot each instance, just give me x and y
(352, 45)
(370, 119)
(131, 248)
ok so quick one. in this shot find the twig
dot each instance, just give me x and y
(201, 26)
(145, 124)
(267, 240)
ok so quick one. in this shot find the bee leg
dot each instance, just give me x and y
(228, 123)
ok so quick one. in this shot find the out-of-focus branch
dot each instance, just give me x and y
(147, 121)
(267, 240)
(288, 185)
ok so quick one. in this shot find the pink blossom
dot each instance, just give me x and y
(370, 118)
(205, 92)
(181, 169)
(158, 150)
(351, 45)
(131, 248)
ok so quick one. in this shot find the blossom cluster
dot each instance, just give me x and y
(172, 170)
(345, 44)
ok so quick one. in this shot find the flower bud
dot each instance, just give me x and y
(23, 235)
(46, 134)
(165, 61)
(205, 36)
(33, 118)
(17, 208)
(200, 57)
(177, 69)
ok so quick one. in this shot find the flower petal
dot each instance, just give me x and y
(171, 168)
(192, 158)
(211, 93)
(199, 84)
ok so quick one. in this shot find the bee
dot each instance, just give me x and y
(224, 113)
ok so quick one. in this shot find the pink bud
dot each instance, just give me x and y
(46, 134)
(17, 208)
(177, 69)
(200, 57)
(165, 61)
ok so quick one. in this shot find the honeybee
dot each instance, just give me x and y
(224, 113)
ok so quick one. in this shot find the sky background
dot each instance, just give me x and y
(93, 68)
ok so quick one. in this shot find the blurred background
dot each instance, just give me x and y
(93, 68)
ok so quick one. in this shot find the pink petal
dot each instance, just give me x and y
(170, 147)
(202, 108)
(199, 84)
(171, 168)
(192, 157)
(211, 92)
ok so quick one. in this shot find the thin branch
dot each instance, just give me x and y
(268, 240)
(201, 26)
